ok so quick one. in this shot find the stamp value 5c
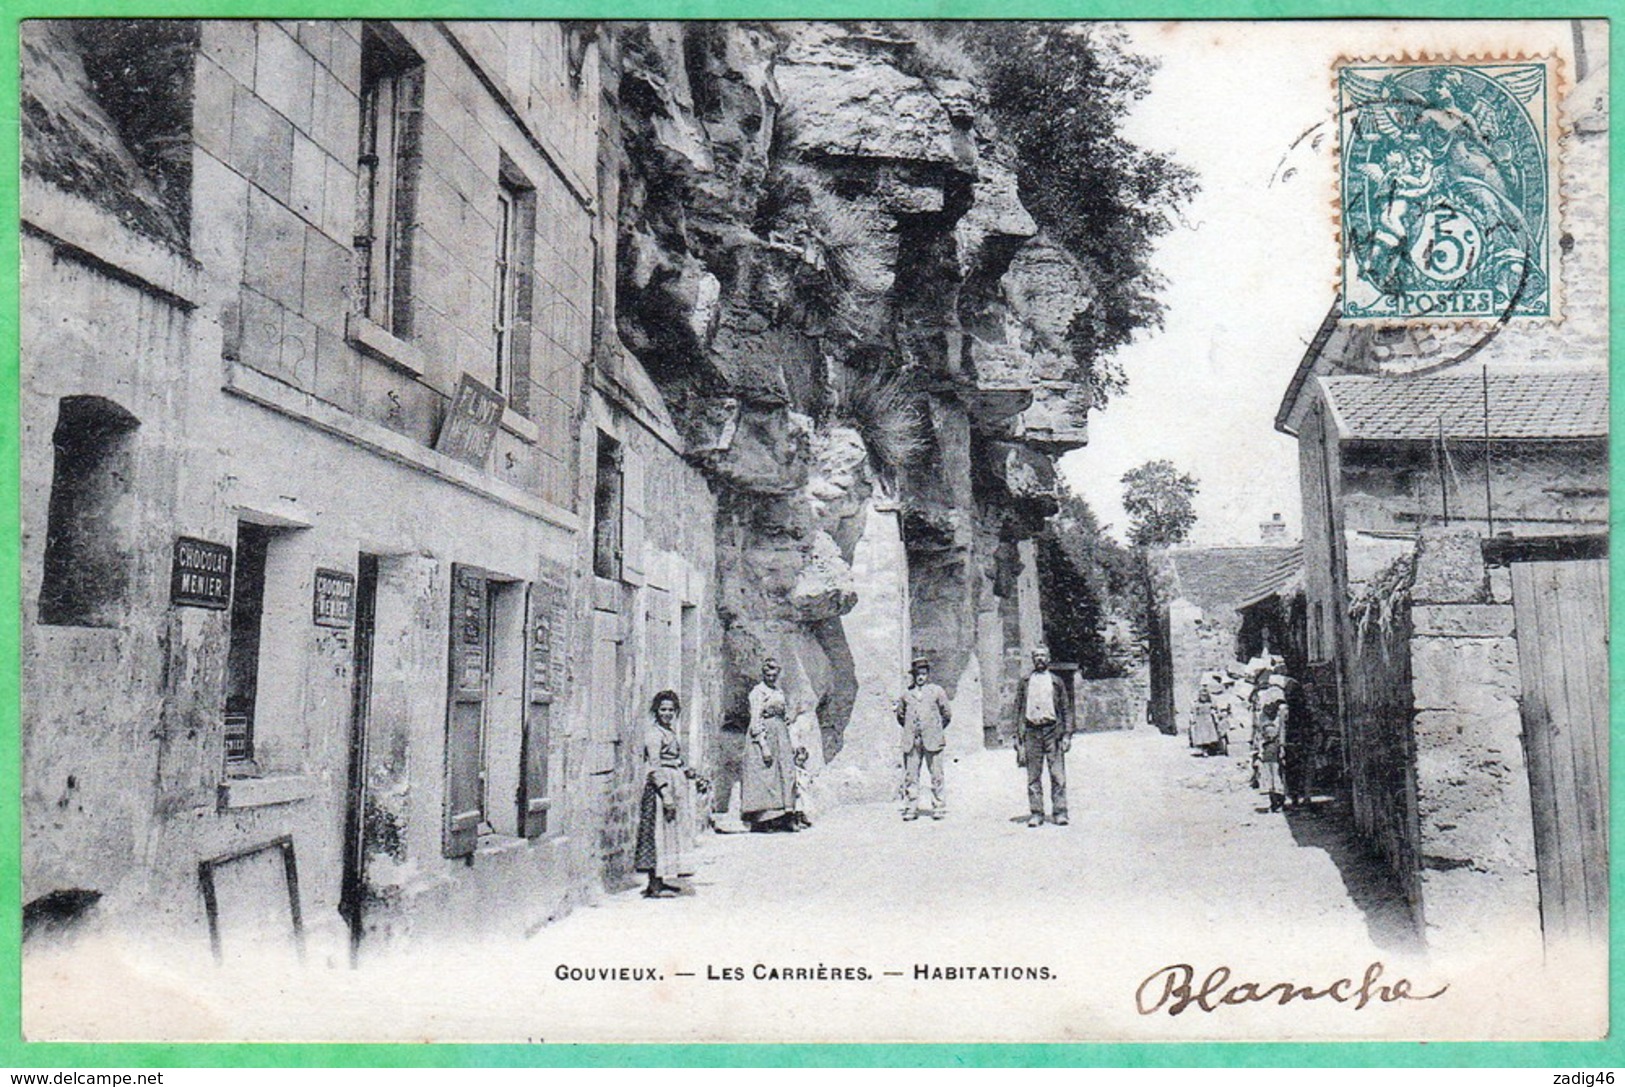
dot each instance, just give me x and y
(1447, 186)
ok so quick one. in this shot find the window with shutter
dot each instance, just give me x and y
(546, 624)
(511, 283)
(387, 177)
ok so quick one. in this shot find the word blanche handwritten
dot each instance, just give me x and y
(1171, 988)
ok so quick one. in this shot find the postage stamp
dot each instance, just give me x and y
(1447, 189)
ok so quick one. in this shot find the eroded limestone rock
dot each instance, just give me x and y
(808, 200)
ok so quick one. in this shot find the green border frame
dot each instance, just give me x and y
(15, 1053)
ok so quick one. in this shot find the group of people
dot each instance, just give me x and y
(1282, 738)
(1283, 741)
(773, 774)
(772, 769)
(1044, 736)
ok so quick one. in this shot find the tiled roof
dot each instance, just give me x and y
(1216, 579)
(1523, 403)
(1283, 580)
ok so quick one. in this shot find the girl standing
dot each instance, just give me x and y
(666, 809)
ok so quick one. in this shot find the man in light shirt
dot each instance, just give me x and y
(1043, 720)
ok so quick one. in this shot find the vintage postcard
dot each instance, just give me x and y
(871, 531)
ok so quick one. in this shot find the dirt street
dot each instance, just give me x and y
(871, 928)
(1157, 834)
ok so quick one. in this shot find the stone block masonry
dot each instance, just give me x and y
(1475, 826)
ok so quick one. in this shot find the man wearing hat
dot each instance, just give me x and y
(923, 713)
(1044, 735)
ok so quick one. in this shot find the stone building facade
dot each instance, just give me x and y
(342, 559)
(1458, 458)
(406, 403)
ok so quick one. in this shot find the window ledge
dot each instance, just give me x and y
(526, 430)
(375, 340)
(490, 844)
(260, 792)
(270, 393)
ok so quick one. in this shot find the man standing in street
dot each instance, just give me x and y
(1044, 735)
(923, 713)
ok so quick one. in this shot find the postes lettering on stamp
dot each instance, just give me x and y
(1446, 189)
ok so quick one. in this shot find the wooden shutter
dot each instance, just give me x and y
(467, 687)
(403, 225)
(523, 251)
(542, 654)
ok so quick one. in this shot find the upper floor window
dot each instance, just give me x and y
(511, 286)
(386, 172)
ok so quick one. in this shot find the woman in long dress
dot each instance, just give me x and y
(767, 770)
(1205, 722)
(666, 809)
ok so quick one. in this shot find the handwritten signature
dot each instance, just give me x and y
(1173, 987)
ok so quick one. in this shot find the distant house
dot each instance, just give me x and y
(1272, 614)
(1194, 596)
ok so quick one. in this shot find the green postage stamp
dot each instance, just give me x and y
(1447, 189)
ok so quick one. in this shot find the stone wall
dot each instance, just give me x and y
(1475, 826)
(1106, 705)
(1379, 739)
(1435, 753)
(276, 132)
(877, 632)
(94, 700)
(1535, 489)
(1199, 643)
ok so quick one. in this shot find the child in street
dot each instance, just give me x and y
(1267, 753)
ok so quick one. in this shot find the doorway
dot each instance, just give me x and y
(352, 891)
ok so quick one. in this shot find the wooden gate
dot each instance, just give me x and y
(1562, 616)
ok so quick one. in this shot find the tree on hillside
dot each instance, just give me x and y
(1158, 499)
(1059, 93)
(1088, 584)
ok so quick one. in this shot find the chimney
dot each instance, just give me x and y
(1273, 531)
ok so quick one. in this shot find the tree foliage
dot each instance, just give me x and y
(1158, 499)
(1059, 93)
(1089, 588)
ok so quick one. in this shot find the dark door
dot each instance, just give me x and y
(352, 892)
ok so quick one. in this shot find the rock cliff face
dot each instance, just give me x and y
(824, 265)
